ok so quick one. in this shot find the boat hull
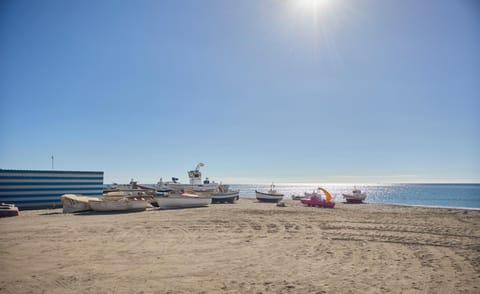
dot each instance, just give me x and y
(265, 197)
(197, 188)
(7, 210)
(119, 205)
(354, 199)
(72, 203)
(171, 202)
(228, 197)
(318, 203)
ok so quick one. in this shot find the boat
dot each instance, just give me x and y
(121, 204)
(130, 190)
(298, 197)
(196, 184)
(76, 203)
(356, 197)
(224, 194)
(131, 194)
(271, 196)
(133, 187)
(315, 199)
(184, 200)
(7, 209)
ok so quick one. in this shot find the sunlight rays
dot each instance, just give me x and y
(316, 22)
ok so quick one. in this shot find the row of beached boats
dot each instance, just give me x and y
(318, 198)
(166, 195)
(197, 193)
(357, 196)
(309, 199)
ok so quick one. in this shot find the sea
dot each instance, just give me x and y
(436, 195)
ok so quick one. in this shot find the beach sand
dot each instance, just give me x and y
(247, 247)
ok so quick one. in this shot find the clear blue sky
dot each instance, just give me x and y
(259, 90)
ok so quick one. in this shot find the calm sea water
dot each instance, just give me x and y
(444, 195)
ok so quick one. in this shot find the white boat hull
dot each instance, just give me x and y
(196, 188)
(266, 197)
(355, 198)
(170, 202)
(72, 203)
(119, 205)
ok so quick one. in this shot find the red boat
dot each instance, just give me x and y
(316, 200)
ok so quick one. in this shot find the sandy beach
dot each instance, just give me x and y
(247, 247)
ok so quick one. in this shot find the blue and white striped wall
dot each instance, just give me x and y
(43, 188)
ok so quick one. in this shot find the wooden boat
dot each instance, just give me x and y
(315, 199)
(76, 203)
(271, 196)
(116, 195)
(7, 209)
(121, 204)
(133, 186)
(356, 197)
(184, 200)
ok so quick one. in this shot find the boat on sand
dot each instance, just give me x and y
(315, 199)
(356, 197)
(224, 195)
(121, 204)
(270, 196)
(184, 200)
(196, 183)
(7, 209)
(76, 203)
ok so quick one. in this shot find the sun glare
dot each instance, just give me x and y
(313, 4)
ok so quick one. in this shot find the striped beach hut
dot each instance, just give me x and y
(29, 189)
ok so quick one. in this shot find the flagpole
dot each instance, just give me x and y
(52, 161)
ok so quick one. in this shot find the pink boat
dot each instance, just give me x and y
(316, 200)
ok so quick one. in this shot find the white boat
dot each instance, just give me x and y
(356, 197)
(8, 209)
(122, 204)
(184, 200)
(76, 203)
(196, 184)
(271, 196)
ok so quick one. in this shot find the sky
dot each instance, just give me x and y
(293, 91)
